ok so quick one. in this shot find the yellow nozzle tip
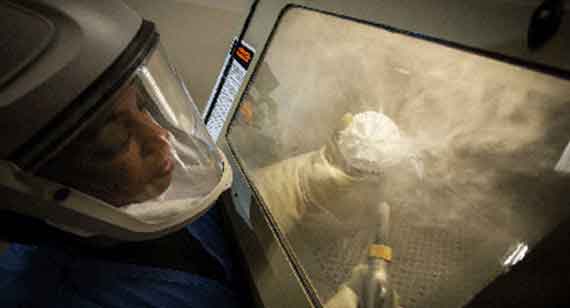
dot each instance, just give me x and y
(380, 251)
(347, 119)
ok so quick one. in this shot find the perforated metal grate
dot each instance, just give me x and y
(437, 267)
(432, 266)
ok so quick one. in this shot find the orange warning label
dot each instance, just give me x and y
(243, 55)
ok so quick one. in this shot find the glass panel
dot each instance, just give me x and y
(356, 136)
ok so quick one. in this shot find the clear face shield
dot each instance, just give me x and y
(146, 165)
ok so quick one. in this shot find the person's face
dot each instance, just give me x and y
(126, 160)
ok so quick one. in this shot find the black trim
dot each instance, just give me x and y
(534, 66)
(544, 23)
(294, 262)
(94, 101)
(541, 279)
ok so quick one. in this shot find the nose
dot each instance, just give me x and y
(151, 137)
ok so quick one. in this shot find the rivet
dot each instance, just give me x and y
(61, 194)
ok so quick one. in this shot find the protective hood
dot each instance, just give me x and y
(141, 166)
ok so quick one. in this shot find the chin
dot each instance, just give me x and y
(152, 190)
(159, 186)
(163, 183)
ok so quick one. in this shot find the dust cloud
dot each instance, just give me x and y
(484, 129)
(488, 134)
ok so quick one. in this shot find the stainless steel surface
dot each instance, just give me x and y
(378, 286)
(275, 283)
(490, 134)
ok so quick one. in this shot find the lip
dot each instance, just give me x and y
(166, 166)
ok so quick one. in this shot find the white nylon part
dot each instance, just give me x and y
(147, 217)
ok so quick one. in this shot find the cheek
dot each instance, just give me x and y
(118, 174)
(128, 168)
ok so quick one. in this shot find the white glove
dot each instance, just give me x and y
(352, 294)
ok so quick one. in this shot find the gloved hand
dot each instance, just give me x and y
(353, 293)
